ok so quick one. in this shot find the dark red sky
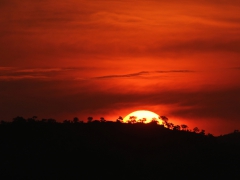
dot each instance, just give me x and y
(181, 59)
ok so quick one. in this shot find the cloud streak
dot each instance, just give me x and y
(141, 74)
(13, 73)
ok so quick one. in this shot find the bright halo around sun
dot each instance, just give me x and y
(141, 116)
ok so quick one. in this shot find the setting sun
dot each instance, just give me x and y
(141, 116)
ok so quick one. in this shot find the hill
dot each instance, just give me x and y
(116, 150)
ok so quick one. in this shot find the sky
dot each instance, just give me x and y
(108, 58)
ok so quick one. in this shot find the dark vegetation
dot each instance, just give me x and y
(99, 149)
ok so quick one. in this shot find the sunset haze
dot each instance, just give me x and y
(108, 58)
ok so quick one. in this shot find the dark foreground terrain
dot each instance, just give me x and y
(114, 150)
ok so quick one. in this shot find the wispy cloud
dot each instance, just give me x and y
(176, 71)
(21, 77)
(5, 68)
(237, 68)
(39, 70)
(141, 74)
(123, 75)
(15, 73)
(50, 73)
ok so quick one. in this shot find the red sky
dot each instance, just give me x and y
(181, 59)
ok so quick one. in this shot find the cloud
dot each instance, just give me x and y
(204, 45)
(237, 68)
(141, 74)
(38, 70)
(116, 19)
(21, 77)
(70, 33)
(5, 68)
(123, 75)
(176, 71)
(14, 73)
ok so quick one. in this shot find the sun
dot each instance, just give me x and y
(143, 116)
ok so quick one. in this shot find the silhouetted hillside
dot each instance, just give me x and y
(99, 150)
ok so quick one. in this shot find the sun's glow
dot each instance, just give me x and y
(143, 116)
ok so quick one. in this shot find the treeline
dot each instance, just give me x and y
(162, 121)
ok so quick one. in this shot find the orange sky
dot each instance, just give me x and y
(180, 59)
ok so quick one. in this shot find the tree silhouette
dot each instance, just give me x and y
(164, 120)
(154, 119)
(3, 122)
(142, 120)
(19, 120)
(32, 119)
(67, 121)
(236, 131)
(202, 132)
(44, 120)
(119, 119)
(210, 135)
(170, 126)
(51, 121)
(75, 120)
(90, 119)
(184, 127)
(177, 127)
(132, 119)
(102, 119)
(196, 130)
